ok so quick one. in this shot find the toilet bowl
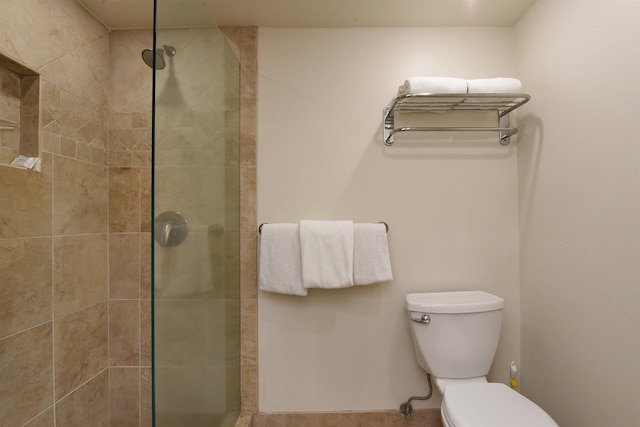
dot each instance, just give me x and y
(455, 337)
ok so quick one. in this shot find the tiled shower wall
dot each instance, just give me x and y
(54, 224)
(75, 239)
(129, 228)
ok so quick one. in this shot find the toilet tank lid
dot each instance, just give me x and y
(454, 302)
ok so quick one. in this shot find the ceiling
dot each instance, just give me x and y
(118, 14)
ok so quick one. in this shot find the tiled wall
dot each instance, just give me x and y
(75, 239)
(129, 160)
(53, 227)
(244, 39)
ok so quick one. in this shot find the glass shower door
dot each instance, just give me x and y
(196, 322)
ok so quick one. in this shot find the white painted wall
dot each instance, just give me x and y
(452, 207)
(579, 193)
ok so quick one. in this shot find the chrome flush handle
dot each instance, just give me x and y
(422, 319)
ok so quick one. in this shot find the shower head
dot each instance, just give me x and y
(148, 54)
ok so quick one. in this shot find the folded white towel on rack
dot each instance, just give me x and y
(371, 262)
(327, 253)
(433, 85)
(495, 85)
(279, 266)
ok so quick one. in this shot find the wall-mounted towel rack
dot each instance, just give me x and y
(501, 103)
(386, 226)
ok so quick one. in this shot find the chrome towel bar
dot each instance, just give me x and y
(386, 226)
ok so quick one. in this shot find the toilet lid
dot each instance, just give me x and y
(491, 405)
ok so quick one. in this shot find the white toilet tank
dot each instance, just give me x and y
(455, 334)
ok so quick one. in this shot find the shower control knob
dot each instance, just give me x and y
(170, 229)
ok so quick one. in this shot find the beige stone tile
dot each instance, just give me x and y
(50, 93)
(371, 419)
(50, 142)
(25, 268)
(145, 265)
(45, 419)
(124, 200)
(86, 406)
(419, 418)
(68, 147)
(80, 197)
(99, 156)
(341, 419)
(248, 265)
(30, 27)
(248, 206)
(80, 348)
(248, 62)
(146, 410)
(244, 420)
(124, 333)
(83, 152)
(26, 374)
(80, 272)
(248, 134)
(124, 389)
(83, 71)
(131, 91)
(124, 266)
(26, 201)
(249, 388)
(29, 115)
(249, 339)
(286, 420)
(145, 332)
(145, 199)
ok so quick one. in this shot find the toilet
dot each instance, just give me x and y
(455, 337)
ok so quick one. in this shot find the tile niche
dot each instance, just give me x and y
(19, 110)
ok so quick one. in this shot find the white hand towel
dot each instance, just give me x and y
(433, 85)
(371, 262)
(327, 253)
(279, 266)
(495, 85)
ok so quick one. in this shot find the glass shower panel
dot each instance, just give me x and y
(196, 318)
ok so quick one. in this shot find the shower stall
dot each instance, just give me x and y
(196, 230)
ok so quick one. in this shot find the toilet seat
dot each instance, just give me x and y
(490, 405)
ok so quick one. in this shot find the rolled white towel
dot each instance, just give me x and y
(495, 85)
(433, 85)
(280, 268)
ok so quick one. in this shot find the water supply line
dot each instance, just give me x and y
(406, 409)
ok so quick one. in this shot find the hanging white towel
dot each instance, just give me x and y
(279, 266)
(371, 262)
(327, 253)
(495, 85)
(433, 85)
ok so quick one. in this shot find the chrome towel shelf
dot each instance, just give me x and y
(501, 103)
